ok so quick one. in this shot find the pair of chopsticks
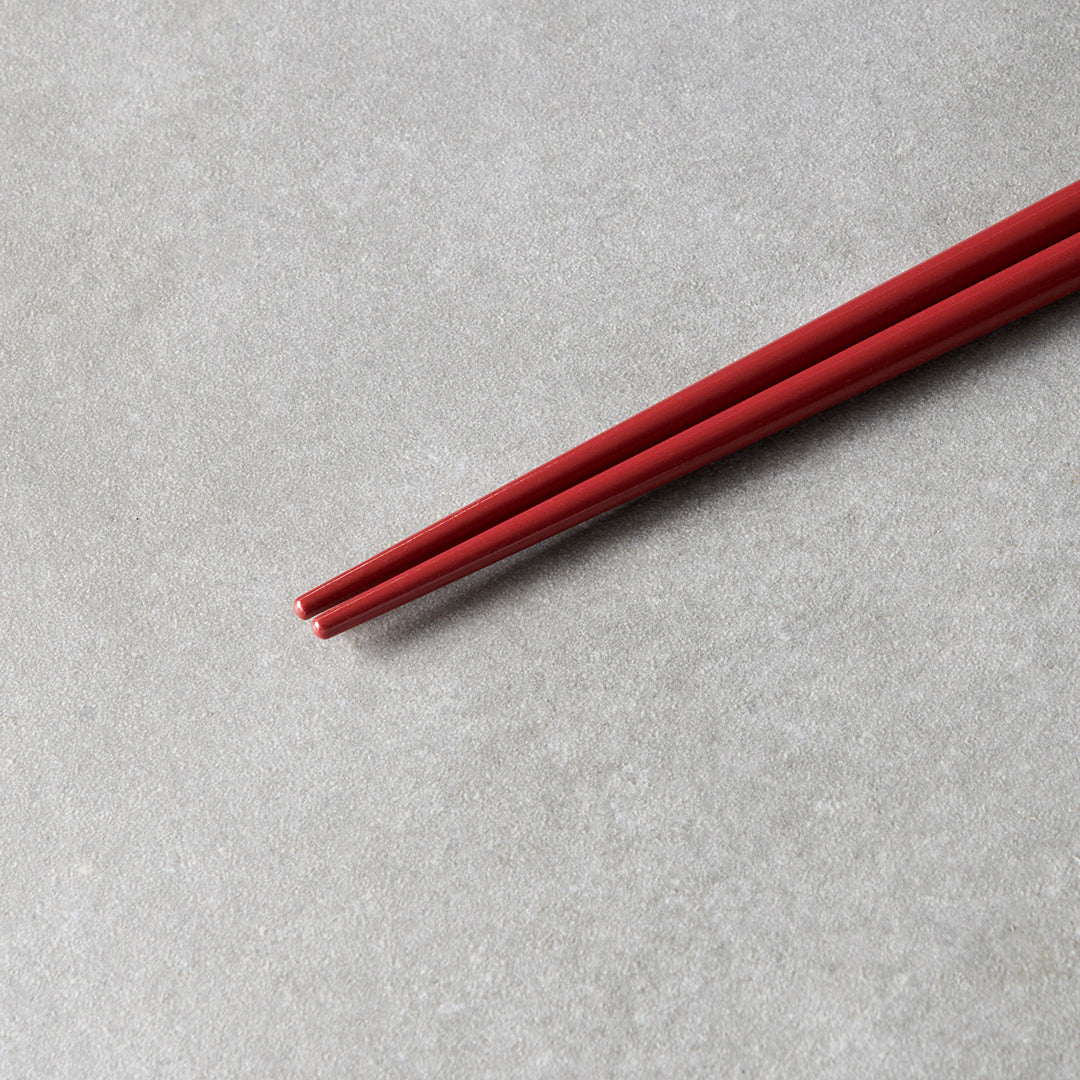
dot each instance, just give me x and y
(1007, 271)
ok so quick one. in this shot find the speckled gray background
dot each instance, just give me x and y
(775, 773)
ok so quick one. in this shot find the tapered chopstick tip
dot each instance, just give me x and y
(300, 608)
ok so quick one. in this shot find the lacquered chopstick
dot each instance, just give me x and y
(1010, 294)
(1016, 237)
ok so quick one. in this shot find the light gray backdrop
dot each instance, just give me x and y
(772, 774)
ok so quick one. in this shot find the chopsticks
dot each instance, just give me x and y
(997, 275)
(1016, 291)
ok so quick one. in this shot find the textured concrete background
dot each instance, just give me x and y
(773, 773)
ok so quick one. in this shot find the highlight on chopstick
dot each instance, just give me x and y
(1022, 263)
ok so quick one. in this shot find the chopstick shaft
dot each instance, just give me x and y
(1016, 291)
(987, 252)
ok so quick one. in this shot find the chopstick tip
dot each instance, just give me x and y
(300, 609)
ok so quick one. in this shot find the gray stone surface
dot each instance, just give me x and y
(774, 773)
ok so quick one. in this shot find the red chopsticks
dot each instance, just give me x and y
(1022, 263)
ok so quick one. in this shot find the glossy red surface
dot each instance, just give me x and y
(956, 320)
(1016, 237)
